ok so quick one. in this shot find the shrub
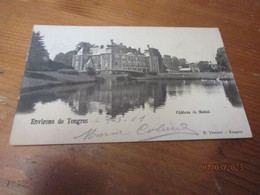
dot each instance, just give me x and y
(152, 73)
(91, 71)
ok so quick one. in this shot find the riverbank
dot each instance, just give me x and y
(34, 80)
(189, 76)
(46, 79)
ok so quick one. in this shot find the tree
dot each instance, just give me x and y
(65, 59)
(85, 45)
(156, 52)
(167, 60)
(175, 63)
(38, 55)
(55, 66)
(222, 60)
(183, 63)
(204, 66)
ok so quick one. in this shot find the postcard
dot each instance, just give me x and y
(127, 84)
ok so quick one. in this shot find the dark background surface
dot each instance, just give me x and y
(132, 168)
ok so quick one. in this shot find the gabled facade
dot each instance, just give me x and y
(115, 57)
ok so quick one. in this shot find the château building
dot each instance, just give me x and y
(114, 57)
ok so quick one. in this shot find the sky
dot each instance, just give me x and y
(193, 44)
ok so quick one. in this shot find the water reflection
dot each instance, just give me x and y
(178, 87)
(232, 93)
(118, 97)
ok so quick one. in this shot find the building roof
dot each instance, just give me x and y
(120, 48)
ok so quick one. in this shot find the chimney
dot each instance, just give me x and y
(139, 50)
(148, 46)
(112, 41)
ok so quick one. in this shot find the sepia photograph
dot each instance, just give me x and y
(127, 84)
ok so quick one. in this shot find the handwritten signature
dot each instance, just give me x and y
(93, 133)
(164, 130)
(143, 130)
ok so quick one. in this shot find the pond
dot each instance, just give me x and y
(113, 98)
(115, 111)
